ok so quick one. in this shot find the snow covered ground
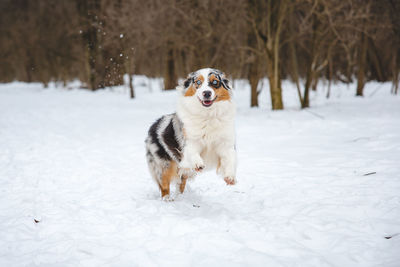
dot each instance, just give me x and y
(75, 189)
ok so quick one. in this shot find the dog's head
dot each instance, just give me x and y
(209, 86)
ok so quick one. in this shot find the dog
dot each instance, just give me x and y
(199, 136)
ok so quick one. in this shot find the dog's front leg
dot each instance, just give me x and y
(191, 159)
(227, 164)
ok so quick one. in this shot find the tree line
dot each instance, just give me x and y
(98, 41)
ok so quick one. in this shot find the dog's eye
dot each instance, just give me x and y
(215, 82)
(198, 82)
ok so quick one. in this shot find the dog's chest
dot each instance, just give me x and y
(207, 127)
(207, 131)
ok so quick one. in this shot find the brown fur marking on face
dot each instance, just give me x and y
(221, 93)
(191, 91)
(167, 175)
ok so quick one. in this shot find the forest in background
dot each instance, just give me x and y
(99, 41)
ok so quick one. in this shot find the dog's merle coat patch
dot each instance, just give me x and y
(155, 140)
(164, 143)
(170, 140)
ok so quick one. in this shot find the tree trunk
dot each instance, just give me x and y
(88, 12)
(396, 81)
(254, 78)
(255, 66)
(329, 70)
(170, 77)
(274, 86)
(28, 70)
(254, 92)
(395, 74)
(275, 89)
(311, 63)
(362, 57)
(306, 101)
(315, 82)
(92, 56)
(373, 56)
(293, 58)
(276, 93)
(129, 69)
(131, 89)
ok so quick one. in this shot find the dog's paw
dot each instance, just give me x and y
(230, 180)
(167, 198)
(196, 164)
(199, 168)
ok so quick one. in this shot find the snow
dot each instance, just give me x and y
(74, 161)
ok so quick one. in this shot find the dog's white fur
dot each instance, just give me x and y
(209, 133)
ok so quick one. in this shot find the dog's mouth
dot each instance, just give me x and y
(207, 103)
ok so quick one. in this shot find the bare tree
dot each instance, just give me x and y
(267, 19)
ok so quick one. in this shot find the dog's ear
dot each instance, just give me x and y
(225, 83)
(186, 83)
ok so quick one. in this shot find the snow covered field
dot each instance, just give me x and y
(75, 189)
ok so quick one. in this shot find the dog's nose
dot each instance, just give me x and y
(207, 94)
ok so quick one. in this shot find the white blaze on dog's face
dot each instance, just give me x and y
(209, 86)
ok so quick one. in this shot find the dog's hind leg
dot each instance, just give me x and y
(167, 175)
(182, 183)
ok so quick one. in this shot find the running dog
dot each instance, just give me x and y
(200, 135)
